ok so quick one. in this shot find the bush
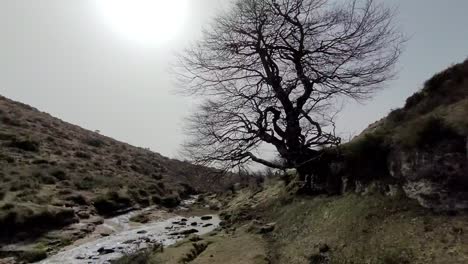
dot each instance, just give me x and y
(396, 116)
(366, 158)
(170, 201)
(33, 219)
(59, 174)
(142, 257)
(94, 142)
(82, 155)
(112, 202)
(7, 137)
(424, 133)
(26, 145)
(33, 255)
(85, 183)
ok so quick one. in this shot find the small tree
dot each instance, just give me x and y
(271, 71)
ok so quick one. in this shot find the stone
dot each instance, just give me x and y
(436, 178)
(193, 224)
(323, 248)
(105, 251)
(206, 217)
(267, 228)
(188, 231)
(142, 232)
(207, 225)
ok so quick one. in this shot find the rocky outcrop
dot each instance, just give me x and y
(437, 177)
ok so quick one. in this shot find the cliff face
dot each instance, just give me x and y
(437, 178)
(421, 148)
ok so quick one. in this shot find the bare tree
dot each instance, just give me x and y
(271, 71)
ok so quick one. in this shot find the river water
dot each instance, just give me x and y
(126, 238)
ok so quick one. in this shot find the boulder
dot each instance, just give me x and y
(436, 178)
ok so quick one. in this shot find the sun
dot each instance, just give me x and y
(146, 21)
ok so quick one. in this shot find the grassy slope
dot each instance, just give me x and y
(372, 229)
(444, 96)
(49, 167)
(359, 229)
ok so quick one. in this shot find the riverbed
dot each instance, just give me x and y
(127, 237)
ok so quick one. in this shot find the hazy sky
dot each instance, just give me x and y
(68, 59)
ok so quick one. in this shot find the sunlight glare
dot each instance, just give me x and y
(146, 21)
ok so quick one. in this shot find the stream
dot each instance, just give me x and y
(127, 238)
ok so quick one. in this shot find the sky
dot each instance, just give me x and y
(85, 64)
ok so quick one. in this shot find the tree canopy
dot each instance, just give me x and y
(271, 71)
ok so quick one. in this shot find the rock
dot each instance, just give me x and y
(259, 228)
(194, 238)
(267, 228)
(206, 217)
(323, 248)
(183, 220)
(207, 225)
(142, 232)
(435, 177)
(193, 223)
(188, 231)
(105, 251)
(83, 214)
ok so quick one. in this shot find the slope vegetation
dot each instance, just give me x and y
(54, 173)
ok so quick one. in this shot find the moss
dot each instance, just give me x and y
(31, 256)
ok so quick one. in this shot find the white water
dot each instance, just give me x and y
(127, 239)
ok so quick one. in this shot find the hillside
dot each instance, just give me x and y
(54, 173)
(422, 147)
(396, 194)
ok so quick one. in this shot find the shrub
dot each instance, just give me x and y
(26, 145)
(33, 255)
(414, 99)
(7, 158)
(112, 202)
(95, 142)
(82, 155)
(457, 73)
(396, 116)
(426, 132)
(142, 257)
(85, 183)
(7, 137)
(46, 179)
(170, 201)
(366, 158)
(33, 219)
(59, 174)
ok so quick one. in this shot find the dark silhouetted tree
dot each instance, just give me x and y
(271, 71)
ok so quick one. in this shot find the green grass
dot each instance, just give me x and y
(365, 229)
